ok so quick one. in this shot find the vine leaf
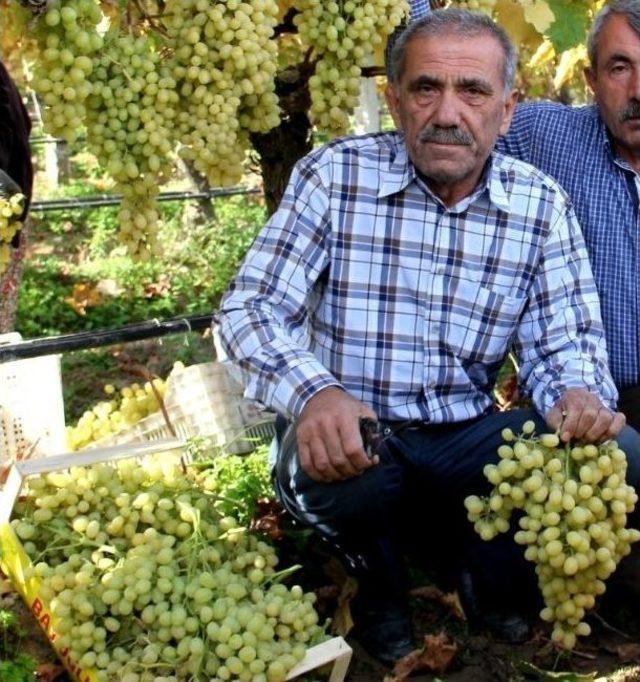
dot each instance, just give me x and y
(570, 26)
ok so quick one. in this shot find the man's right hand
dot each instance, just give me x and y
(330, 447)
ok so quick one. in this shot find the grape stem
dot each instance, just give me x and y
(281, 575)
(610, 627)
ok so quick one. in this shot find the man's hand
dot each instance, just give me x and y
(580, 414)
(328, 433)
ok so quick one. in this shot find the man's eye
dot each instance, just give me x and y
(619, 68)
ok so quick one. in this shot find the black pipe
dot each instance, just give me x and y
(114, 199)
(32, 348)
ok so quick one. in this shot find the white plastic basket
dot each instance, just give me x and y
(31, 407)
(203, 400)
(15, 562)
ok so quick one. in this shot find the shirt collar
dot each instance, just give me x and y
(401, 172)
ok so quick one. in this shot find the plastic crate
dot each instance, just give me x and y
(31, 407)
(15, 562)
(203, 400)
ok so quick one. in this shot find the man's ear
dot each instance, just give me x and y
(591, 78)
(509, 107)
(391, 95)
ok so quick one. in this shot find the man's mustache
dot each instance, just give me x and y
(630, 112)
(446, 135)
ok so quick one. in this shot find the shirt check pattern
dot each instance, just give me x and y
(365, 280)
(572, 145)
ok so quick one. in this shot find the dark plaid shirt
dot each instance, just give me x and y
(364, 279)
(573, 146)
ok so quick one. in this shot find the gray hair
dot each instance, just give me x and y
(459, 22)
(630, 9)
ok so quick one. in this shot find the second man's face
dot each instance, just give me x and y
(615, 82)
(451, 105)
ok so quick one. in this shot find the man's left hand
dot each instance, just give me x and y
(580, 414)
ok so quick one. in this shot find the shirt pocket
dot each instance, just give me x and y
(478, 323)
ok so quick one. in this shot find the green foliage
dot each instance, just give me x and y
(571, 24)
(79, 247)
(239, 482)
(21, 669)
(13, 667)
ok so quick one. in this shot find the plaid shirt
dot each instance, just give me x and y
(572, 145)
(364, 279)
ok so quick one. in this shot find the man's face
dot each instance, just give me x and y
(615, 82)
(450, 104)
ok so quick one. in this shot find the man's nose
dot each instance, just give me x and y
(447, 111)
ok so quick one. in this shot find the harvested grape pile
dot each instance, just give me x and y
(575, 502)
(146, 580)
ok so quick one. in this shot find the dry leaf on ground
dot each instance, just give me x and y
(436, 655)
(449, 600)
(49, 672)
(629, 653)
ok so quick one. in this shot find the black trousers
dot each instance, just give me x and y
(415, 495)
(629, 404)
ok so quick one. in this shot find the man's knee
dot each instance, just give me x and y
(358, 502)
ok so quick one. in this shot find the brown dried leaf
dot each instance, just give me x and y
(83, 296)
(436, 655)
(449, 600)
(161, 287)
(5, 586)
(629, 653)
(342, 622)
(49, 672)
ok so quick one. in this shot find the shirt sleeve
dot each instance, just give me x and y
(560, 339)
(518, 140)
(263, 321)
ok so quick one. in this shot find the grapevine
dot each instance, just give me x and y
(146, 581)
(575, 502)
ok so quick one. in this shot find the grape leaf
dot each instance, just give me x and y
(570, 26)
(539, 14)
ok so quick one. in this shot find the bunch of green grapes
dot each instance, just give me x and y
(485, 6)
(147, 581)
(130, 119)
(124, 408)
(68, 40)
(225, 60)
(575, 502)
(344, 35)
(10, 209)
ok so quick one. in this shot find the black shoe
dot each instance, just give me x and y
(504, 624)
(383, 628)
(507, 626)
